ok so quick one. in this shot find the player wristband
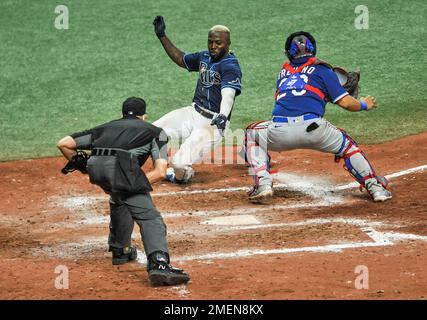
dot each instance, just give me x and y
(363, 105)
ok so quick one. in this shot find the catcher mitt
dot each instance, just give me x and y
(349, 80)
(77, 162)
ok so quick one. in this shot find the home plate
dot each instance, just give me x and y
(233, 220)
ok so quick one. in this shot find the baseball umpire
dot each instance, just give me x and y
(304, 86)
(118, 150)
(218, 84)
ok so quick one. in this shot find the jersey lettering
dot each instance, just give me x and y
(208, 77)
(294, 84)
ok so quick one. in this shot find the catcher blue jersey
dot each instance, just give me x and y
(305, 88)
(213, 76)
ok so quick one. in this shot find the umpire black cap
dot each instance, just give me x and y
(133, 106)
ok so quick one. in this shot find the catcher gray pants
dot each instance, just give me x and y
(139, 208)
(282, 136)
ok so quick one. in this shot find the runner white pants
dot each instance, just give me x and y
(198, 135)
(282, 136)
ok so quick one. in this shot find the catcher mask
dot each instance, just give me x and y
(300, 44)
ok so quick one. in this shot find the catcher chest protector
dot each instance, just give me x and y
(117, 170)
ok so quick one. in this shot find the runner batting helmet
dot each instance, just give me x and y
(300, 44)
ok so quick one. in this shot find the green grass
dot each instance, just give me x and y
(55, 82)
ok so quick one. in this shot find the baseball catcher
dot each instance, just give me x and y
(304, 86)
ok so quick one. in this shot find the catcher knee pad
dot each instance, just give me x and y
(252, 138)
(249, 136)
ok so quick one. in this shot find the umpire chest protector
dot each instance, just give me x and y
(112, 165)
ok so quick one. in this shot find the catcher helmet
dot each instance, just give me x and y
(300, 44)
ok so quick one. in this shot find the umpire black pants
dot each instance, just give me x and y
(126, 209)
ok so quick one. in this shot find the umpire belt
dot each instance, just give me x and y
(104, 152)
(304, 117)
(204, 112)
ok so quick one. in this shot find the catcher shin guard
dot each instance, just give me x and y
(257, 155)
(356, 162)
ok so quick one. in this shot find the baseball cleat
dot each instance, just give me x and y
(171, 177)
(161, 273)
(261, 193)
(123, 255)
(381, 195)
(170, 276)
(377, 191)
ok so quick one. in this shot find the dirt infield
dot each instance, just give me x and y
(306, 244)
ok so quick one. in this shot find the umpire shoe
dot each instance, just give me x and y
(377, 191)
(260, 193)
(161, 273)
(123, 255)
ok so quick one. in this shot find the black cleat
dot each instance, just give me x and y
(123, 255)
(161, 273)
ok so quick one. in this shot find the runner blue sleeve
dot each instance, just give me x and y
(191, 61)
(231, 75)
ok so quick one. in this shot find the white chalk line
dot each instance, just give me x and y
(181, 290)
(308, 187)
(319, 199)
(380, 239)
(237, 211)
(68, 250)
(94, 219)
(77, 202)
(284, 185)
(74, 249)
(319, 221)
(314, 187)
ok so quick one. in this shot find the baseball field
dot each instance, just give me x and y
(320, 238)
